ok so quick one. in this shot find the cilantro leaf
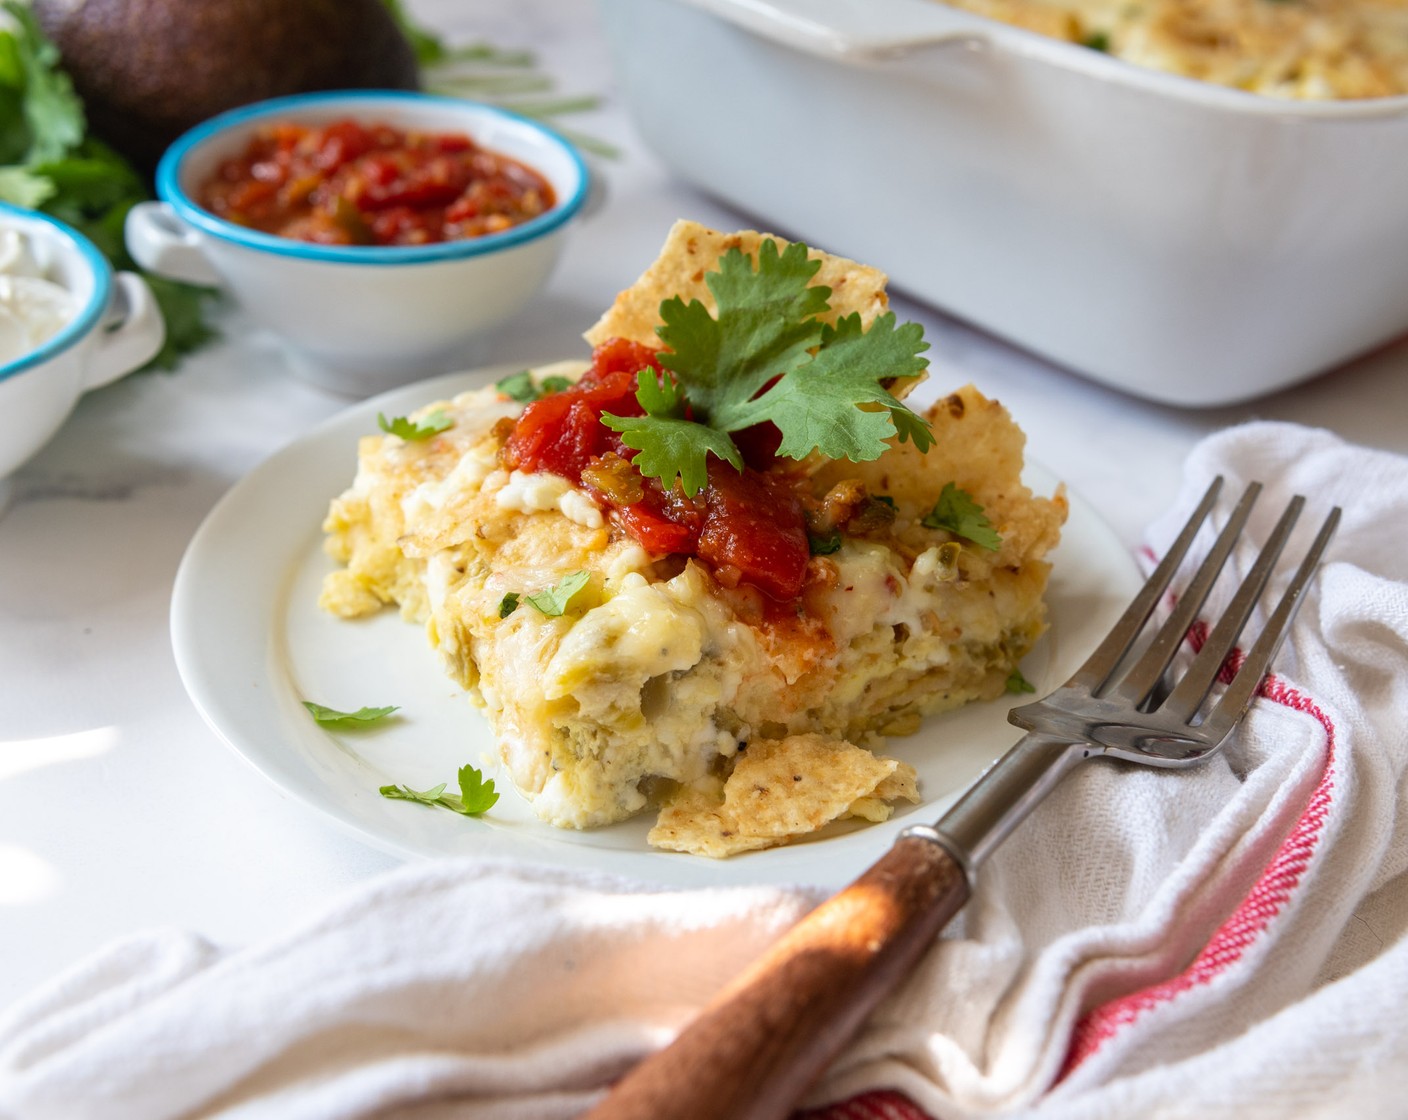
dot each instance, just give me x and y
(476, 795)
(362, 717)
(766, 323)
(521, 387)
(509, 603)
(765, 355)
(1016, 683)
(667, 443)
(809, 404)
(412, 431)
(957, 513)
(825, 544)
(518, 386)
(553, 601)
(52, 111)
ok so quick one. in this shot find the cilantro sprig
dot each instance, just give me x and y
(50, 162)
(477, 795)
(767, 356)
(956, 512)
(413, 431)
(552, 601)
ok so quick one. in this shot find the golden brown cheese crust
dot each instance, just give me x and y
(1307, 49)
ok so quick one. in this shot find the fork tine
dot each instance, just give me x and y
(1144, 676)
(1239, 694)
(1190, 692)
(1093, 675)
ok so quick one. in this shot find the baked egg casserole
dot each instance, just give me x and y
(1308, 49)
(658, 611)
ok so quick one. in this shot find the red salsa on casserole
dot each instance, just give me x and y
(349, 183)
(748, 526)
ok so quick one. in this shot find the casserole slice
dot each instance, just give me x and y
(621, 671)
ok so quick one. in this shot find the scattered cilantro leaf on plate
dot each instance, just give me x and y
(476, 795)
(959, 514)
(1016, 683)
(518, 386)
(362, 717)
(521, 387)
(553, 601)
(412, 431)
(766, 356)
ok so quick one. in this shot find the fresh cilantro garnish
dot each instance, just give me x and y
(959, 514)
(521, 387)
(767, 356)
(553, 601)
(414, 430)
(362, 717)
(476, 795)
(518, 386)
(824, 544)
(509, 603)
(1018, 683)
(49, 162)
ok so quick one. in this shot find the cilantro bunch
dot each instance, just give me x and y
(767, 356)
(49, 162)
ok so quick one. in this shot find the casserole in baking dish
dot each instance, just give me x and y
(1182, 241)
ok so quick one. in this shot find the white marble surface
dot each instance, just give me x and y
(121, 810)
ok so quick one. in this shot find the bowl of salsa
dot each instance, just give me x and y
(382, 235)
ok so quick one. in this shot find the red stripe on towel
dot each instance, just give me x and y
(1262, 903)
(885, 1104)
(1250, 919)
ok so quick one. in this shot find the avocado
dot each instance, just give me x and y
(147, 70)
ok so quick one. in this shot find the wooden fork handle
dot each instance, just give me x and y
(755, 1050)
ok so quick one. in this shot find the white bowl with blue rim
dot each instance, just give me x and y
(358, 319)
(105, 325)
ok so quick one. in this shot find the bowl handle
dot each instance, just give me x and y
(160, 242)
(848, 30)
(131, 336)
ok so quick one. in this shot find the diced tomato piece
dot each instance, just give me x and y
(654, 529)
(562, 432)
(748, 523)
(754, 523)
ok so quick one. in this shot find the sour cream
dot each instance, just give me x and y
(32, 308)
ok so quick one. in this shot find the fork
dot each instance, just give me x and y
(754, 1051)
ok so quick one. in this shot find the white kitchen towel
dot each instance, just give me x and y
(1227, 941)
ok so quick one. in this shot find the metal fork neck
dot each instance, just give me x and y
(1003, 797)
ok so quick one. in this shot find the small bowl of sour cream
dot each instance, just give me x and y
(68, 324)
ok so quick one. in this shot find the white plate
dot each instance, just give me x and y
(251, 644)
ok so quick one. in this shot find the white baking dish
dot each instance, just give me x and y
(1185, 242)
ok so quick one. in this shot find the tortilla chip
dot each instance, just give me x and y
(695, 821)
(781, 789)
(692, 250)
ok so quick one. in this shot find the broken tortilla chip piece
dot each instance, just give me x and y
(691, 251)
(781, 789)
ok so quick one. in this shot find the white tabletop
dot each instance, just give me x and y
(121, 810)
